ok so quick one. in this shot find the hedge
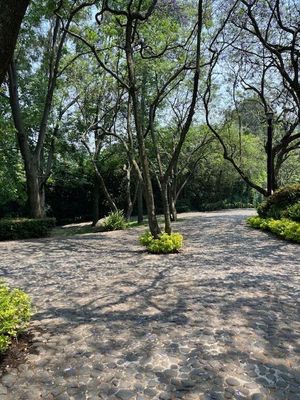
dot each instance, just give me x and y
(12, 229)
(284, 228)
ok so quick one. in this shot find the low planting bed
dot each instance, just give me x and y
(284, 228)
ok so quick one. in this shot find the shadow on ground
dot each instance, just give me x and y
(219, 320)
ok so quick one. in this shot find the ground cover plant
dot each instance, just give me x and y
(280, 214)
(284, 228)
(165, 243)
(15, 313)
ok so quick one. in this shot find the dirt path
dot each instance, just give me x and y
(220, 320)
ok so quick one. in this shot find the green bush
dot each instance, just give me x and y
(164, 244)
(293, 212)
(114, 221)
(285, 228)
(276, 204)
(15, 313)
(25, 228)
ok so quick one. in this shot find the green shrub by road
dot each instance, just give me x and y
(284, 228)
(15, 313)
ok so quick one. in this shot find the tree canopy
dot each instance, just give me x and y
(148, 106)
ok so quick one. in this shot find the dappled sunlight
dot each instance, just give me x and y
(221, 318)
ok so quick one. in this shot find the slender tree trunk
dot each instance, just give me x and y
(172, 203)
(128, 190)
(172, 194)
(166, 206)
(140, 202)
(96, 198)
(152, 219)
(101, 181)
(274, 180)
(34, 182)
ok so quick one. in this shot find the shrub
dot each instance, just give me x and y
(114, 221)
(25, 228)
(164, 244)
(284, 228)
(15, 313)
(276, 204)
(293, 212)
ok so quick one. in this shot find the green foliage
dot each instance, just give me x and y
(164, 244)
(276, 204)
(15, 313)
(12, 229)
(293, 212)
(146, 238)
(284, 228)
(114, 221)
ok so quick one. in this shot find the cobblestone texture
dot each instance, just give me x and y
(220, 320)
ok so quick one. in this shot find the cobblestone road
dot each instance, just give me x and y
(220, 320)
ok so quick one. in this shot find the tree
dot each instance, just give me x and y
(34, 133)
(11, 16)
(257, 74)
(130, 21)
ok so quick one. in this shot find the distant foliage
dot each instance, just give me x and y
(164, 244)
(13, 229)
(284, 228)
(223, 205)
(275, 206)
(15, 313)
(114, 221)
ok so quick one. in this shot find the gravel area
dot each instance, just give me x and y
(220, 320)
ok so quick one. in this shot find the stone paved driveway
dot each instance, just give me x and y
(220, 320)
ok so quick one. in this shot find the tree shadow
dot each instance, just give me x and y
(219, 320)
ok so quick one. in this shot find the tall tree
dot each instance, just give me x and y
(258, 52)
(44, 70)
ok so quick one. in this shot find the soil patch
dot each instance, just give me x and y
(17, 353)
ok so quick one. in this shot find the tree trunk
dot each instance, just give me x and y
(101, 181)
(152, 219)
(36, 195)
(166, 206)
(11, 16)
(172, 204)
(140, 202)
(172, 196)
(128, 188)
(96, 197)
(173, 210)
